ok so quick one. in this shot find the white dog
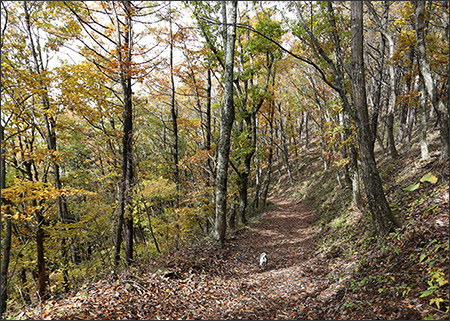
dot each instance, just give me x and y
(263, 260)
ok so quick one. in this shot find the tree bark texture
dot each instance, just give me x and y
(424, 153)
(6, 248)
(379, 207)
(226, 124)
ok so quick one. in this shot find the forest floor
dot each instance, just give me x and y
(324, 261)
(206, 281)
(211, 282)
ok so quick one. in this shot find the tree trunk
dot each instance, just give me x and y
(227, 118)
(243, 199)
(410, 124)
(256, 199)
(119, 227)
(355, 178)
(379, 207)
(427, 78)
(209, 174)
(150, 227)
(424, 153)
(390, 131)
(124, 58)
(6, 246)
(404, 110)
(411, 111)
(381, 25)
(173, 112)
(343, 120)
(306, 131)
(285, 146)
(232, 216)
(51, 144)
(300, 129)
(377, 92)
(208, 123)
(42, 278)
(270, 156)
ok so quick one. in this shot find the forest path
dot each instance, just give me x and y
(294, 274)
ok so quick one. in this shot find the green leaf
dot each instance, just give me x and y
(426, 293)
(411, 188)
(429, 178)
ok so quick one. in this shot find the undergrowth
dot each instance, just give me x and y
(409, 266)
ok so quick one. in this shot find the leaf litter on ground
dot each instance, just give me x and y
(206, 281)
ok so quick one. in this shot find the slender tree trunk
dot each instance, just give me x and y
(232, 216)
(306, 131)
(411, 111)
(379, 207)
(300, 129)
(256, 199)
(173, 112)
(208, 143)
(355, 177)
(51, 144)
(427, 78)
(124, 58)
(285, 145)
(270, 156)
(410, 124)
(424, 153)
(323, 151)
(344, 152)
(6, 246)
(119, 227)
(243, 199)
(383, 130)
(227, 118)
(381, 25)
(208, 115)
(402, 124)
(390, 132)
(377, 92)
(42, 278)
(150, 227)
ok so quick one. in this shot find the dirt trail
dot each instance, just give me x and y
(283, 232)
(292, 275)
(284, 289)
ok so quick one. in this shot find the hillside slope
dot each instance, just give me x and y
(324, 261)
